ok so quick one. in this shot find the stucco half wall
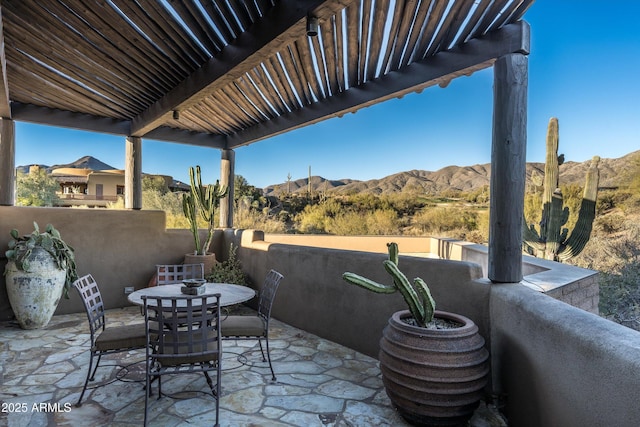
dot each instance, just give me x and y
(118, 247)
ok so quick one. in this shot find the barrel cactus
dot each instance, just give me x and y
(417, 296)
(552, 241)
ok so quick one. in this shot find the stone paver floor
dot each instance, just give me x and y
(319, 383)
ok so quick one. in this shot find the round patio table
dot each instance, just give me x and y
(230, 294)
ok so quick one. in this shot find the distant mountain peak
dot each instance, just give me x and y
(86, 162)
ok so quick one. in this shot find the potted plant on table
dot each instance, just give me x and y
(201, 201)
(40, 269)
(434, 364)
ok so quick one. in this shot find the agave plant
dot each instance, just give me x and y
(21, 247)
(417, 295)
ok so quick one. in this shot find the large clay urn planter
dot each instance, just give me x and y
(434, 377)
(209, 260)
(34, 295)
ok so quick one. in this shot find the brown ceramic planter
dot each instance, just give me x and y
(209, 260)
(434, 377)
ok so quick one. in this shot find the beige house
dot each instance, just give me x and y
(96, 188)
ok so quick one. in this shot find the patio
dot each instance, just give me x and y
(319, 383)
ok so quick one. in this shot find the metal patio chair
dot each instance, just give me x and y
(104, 339)
(183, 340)
(252, 327)
(167, 274)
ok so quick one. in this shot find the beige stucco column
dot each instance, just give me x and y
(7, 162)
(227, 177)
(133, 173)
(508, 167)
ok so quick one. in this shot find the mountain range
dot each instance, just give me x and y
(613, 173)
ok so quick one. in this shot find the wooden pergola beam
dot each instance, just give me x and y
(283, 24)
(5, 110)
(473, 56)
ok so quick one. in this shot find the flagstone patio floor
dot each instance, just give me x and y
(319, 383)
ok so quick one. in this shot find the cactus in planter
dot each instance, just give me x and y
(417, 296)
(552, 240)
(201, 199)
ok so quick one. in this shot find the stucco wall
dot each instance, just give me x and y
(118, 247)
(556, 365)
(313, 296)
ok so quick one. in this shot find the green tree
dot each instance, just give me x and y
(37, 188)
(154, 183)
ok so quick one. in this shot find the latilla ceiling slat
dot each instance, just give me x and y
(471, 26)
(490, 15)
(176, 33)
(249, 90)
(263, 6)
(132, 48)
(283, 82)
(69, 59)
(439, 32)
(101, 93)
(218, 21)
(230, 18)
(364, 40)
(418, 25)
(84, 46)
(157, 35)
(268, 91)
(304, 73)
(240, 14)
(320, 65)
(239, 98)
(393, 33)
(410, 11)
(379, 21)
(505, 15)
(50, 85)
(302, 49)
(455, 18)
(275, 81)
(198, 25)
(340, 52)
(519, 13)
(353, 44)
(329, 47)
(304, 52)
(225, 118)
(296, 73)
(242, 117)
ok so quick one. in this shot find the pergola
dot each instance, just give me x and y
(224, 74)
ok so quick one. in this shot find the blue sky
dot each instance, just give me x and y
(583, 69)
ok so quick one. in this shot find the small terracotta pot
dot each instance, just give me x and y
(434, 377)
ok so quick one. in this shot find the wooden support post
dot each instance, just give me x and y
(508, 168)
(7, 162)
(227, 177)
(133, 173)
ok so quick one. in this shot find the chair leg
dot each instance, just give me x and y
(273, 375)
(147, 394)
(89, 378)
(264, 359)
(93, 375)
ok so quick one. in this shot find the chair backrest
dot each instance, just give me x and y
(183, 330)
(268, 293)
(167, 274)
(92, 299)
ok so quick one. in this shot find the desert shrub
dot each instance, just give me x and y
(246, 217)
(229, 270)
(443, 220)
(617, 257)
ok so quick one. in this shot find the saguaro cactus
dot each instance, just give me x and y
(201, 199)
(553, 241)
